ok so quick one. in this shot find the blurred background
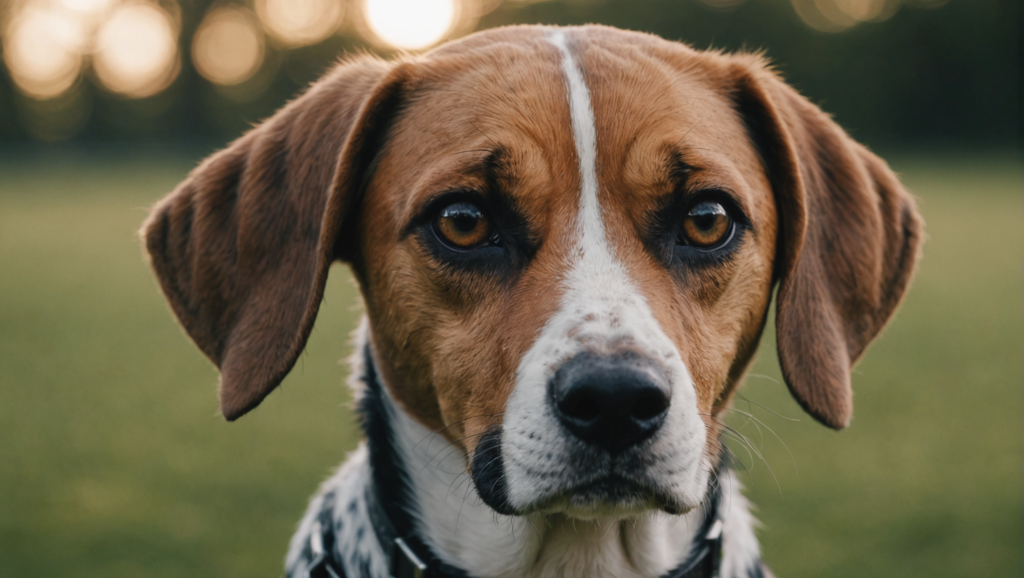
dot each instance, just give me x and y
(114, 462)
(934, 73)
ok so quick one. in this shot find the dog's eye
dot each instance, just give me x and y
(463, 226)
(707, 226)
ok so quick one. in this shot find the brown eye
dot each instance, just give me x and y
(463, 226)
(707, 225)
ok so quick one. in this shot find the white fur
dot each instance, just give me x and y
(601, 310)
(742, 553)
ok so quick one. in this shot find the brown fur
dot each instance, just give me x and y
(242, 247)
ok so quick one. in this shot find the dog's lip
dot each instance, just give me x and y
(628, 493)
(607, 481)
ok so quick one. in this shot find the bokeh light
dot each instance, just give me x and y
(410, 24)
(294, 23)
(137, 51)
(228, 49)
(131, 47)
(87, 6)
(840, 15)
(42, 50)
(866, 10)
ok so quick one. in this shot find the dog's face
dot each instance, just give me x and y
(588, 302)
(567, 241)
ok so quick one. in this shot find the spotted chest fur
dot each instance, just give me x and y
(356, 545)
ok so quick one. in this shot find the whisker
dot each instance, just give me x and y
(530, 521)
(452, 486)
(757, 421)
(462, 505)
(761, 456)
(739, 459)
(446, 446)
(766, 408)
(454, 449)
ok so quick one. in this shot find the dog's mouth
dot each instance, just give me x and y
(591, 493)
(609, 496)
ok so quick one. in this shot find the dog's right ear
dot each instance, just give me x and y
(242, 247)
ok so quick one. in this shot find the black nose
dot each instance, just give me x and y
(612, 402)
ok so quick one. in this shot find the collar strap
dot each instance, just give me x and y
(705, 557)
(407, 561)
(408, 556)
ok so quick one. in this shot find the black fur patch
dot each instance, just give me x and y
(390, 480)
(489, 473)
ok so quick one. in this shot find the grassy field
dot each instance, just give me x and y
(114, 462)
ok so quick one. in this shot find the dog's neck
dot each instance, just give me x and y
(464, 532)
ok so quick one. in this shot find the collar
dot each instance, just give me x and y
(391, 507)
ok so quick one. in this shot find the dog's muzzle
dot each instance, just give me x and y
(608, 409)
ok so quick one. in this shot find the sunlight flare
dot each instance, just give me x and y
(410, 24)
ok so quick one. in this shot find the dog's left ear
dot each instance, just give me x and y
(242, 247)
(849, 239)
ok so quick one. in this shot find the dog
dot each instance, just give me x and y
(567, 240)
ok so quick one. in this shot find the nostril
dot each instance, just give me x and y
(581, 406)
(649, 404)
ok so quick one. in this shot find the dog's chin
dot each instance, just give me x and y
(608, 498)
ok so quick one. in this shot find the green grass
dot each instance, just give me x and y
(114, 462)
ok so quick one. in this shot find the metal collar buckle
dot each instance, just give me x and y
(405, 563)
(320, 566)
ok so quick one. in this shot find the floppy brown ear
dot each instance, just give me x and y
(849, 239)
(242, 247)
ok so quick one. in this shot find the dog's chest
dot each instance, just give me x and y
(484, 545)
(466, 534)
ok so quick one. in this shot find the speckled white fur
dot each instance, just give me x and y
(356, 541)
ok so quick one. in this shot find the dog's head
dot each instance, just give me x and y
(567, 241)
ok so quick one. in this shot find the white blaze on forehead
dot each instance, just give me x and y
(591, 259)
(584, 134)
(601, 310)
